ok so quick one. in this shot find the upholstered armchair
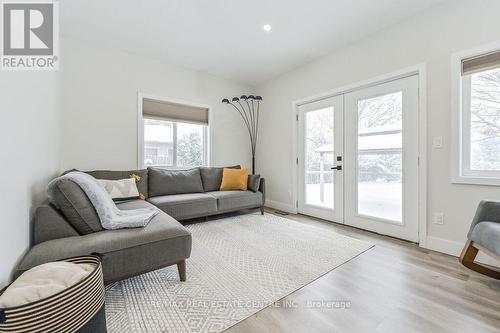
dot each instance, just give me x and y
(484, 236)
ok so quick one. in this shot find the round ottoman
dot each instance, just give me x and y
(77, 308)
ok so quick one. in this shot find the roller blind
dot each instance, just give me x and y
(481, 63)
(173, 111)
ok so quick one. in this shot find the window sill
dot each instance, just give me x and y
(476, 181)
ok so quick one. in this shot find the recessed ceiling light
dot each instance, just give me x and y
(267, 27)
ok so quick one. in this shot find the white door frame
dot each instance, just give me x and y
(421, 71)
(337, 213)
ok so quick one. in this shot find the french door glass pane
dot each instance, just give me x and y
(158, 142)
(319, 153)
(379, 160)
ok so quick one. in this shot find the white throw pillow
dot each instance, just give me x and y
(122, 189)
(44, 281)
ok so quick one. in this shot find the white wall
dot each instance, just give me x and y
(29, 136)
(99, 130)
(85, 116)
(99, 102)
(431, 37)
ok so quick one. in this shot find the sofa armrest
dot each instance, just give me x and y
(262, 189)
(49, 224)
(486, 211)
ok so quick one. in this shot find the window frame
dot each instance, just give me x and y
(460, 143)
(140, 131)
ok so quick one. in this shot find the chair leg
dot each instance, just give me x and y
(262, 210)
(181, 267)
(467, 257)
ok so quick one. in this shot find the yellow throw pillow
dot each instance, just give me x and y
(234, 179)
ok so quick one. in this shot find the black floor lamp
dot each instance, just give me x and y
(249, 109)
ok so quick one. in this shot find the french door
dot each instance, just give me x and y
(321, 192)
(358, 158)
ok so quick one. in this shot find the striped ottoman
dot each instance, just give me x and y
(79, 308)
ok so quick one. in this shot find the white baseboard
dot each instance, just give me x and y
(443, 245)
(455, 248)
(281, 206)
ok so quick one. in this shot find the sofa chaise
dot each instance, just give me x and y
(74, 229)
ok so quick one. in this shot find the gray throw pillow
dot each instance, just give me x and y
(167, 182)
(253, 182)
(76, 207)
(211, 177)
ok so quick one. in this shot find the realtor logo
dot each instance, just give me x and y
(30, 35)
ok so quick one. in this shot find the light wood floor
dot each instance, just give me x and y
(393, 287)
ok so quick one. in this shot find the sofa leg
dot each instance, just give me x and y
(181, 267)
(262, 210)
(467, 257)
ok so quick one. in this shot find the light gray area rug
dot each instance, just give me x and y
(238, 266)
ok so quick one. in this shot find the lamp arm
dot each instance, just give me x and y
(257, 123)
(244, 119)
(244, 113)
(249, 124)
(251, 117)
(254, 126)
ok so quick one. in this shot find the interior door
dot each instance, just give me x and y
(381, 158)
(320, 143)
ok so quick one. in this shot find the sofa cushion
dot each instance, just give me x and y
(253, 182)
(211, 177)
(162, 227)
(76, 207)
(142, 182)
(184, 206)
(487, 234)
(233, 200)
(49, 223)
(167, 182)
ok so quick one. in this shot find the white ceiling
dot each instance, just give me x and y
(225, 37)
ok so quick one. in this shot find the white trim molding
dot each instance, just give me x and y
(454, 248)
(421, 71)
(284, 207)
(140, 130)
(457, 129)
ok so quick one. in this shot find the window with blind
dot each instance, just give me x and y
(174, 135)
(480, 116)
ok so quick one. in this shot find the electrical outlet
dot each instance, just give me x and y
(437, 142)
(438, 218)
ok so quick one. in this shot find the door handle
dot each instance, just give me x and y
(338, 167)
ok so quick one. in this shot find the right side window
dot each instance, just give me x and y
(480, 116)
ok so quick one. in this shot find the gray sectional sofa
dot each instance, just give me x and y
(74, 229)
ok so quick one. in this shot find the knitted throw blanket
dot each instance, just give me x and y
(111, 216)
